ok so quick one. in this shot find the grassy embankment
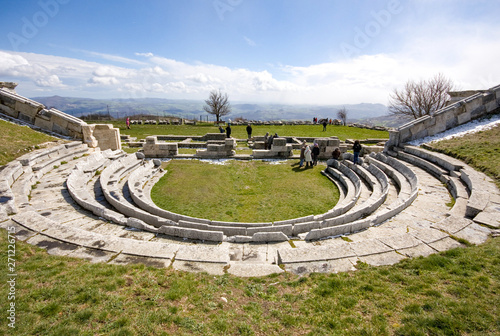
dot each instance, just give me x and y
(450, 293)
(16, 141)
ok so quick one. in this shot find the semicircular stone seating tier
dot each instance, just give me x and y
(96, 205)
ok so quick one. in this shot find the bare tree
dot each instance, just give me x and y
(342, 115)
(422, 98)
(217, 104)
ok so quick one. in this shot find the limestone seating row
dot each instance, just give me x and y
(120, 170)
(142, 219)
(244, 231)
(139, 177)
(405, 179)
(301, 225)
(352, 186)
(411, 241)
(72, 235)
(407, 194)
(166, 226)
(483, 195)
(376, 199)
(374, 177)
(28, 169)
(77, 185)
(454, 184)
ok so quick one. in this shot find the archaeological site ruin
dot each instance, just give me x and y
(97, 205)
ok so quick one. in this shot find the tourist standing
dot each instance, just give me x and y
(266, 139)
(128, 122)
(228, 131)
(324, 125)
(356, 149)
(249, 131)
(270, 140)
(308, 156)
(315, 154)
(302, 154)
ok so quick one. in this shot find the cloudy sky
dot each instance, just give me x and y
(284, 51)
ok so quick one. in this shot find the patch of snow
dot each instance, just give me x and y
(459, 131)
(274, 161)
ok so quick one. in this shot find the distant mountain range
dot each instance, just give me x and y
(193, 109)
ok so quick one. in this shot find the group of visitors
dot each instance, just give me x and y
(310, 155)
(227, 130)
(316, 121)
(268, 140)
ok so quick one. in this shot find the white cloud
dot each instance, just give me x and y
(109, 57)
(105, 81)
(468, 54)
(49, 81)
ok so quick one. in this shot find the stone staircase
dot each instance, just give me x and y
(96, 205)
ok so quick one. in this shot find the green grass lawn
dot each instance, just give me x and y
(244, 191)
(451, 293)
(16, 141)
(239, 132)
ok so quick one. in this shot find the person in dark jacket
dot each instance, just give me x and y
(336, 154)
(270, 140)
(302, 154)
(249, 131)
(228, 131)
(356, 149)
(315, 154)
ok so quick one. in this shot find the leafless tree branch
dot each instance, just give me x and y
(217, 104)
(422, 98)
(342, 115)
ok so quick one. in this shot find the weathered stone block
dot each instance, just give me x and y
(279, 142)
(333, 142)
(473, 102)
(269, 237)
(215, 136)
(43, 123)
(28, 108)
(151, 140)
(8, 110)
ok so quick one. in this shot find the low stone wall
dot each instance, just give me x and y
(279, 148)
(461, 112)
(156, 149)
(34, 113)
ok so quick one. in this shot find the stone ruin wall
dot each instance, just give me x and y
(53, 120)
(462, 109)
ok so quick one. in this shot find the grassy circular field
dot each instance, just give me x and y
(244, 191)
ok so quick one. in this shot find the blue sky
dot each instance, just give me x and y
(284, 51)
